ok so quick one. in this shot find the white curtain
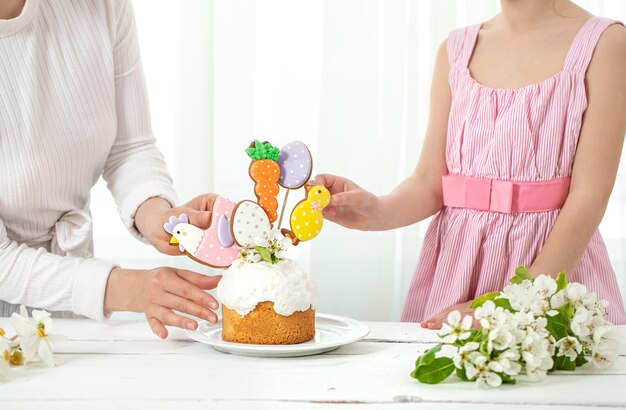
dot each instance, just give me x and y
(350, 78)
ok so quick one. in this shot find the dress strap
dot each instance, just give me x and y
(584, 44)
(461, 44)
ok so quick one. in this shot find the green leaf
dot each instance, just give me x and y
(479, 301)
(460, 373)
(564, 363)
(435, 372)
(428, 356)
(506, 379)
(581, 359)
(265, 254)
(521, 274)
(476, 335)
(504, 304)
(561, 281)
(566, 310)
(558, 325)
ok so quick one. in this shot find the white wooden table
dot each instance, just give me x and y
(121, 364)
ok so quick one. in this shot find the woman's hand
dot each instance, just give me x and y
(437, 320)
(351, 205)
(154, 212)
(159, 292)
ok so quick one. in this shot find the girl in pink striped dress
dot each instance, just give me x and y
(527, 121)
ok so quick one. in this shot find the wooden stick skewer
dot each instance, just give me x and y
(282, 212)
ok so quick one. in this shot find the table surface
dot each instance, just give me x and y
(121, 364)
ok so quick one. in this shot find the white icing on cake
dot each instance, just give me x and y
(286, 284)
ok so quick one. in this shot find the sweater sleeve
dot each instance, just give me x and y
(135, 169)
(40, 279)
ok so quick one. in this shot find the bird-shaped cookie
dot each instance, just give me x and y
(306, 219)
(215, 246)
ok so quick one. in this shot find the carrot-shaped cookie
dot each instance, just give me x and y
(265, 172)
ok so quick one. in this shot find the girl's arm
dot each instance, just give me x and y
(597, 157)
(417, 197)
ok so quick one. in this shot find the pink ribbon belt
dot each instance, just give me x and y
(504, 196)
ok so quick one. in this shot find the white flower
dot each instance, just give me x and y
(489, 315)
(569, 347)
(463, 354)
(500, 339)
(536, 351)
(604, 349)
(455, 328)
(5, 357)
(575, 294)
(520, 296)
(558, 299)
(249, 255)
(581, 321)
(483, 371)
(544, 286)
(33, 334)
(262, 242)
(507, 360)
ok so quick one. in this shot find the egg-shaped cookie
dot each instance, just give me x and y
(249, 222)
(295, 164)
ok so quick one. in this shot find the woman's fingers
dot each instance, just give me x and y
(198, 279)
(157, 327)
(201, 219)
(189, 291)
(169, 318)
(186, 306)
(202, 202)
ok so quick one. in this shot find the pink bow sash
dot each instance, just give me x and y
(504, 196)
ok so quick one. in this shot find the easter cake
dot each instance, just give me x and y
(266, 298)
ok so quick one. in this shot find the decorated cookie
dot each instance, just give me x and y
(306, 218)
(213, 247)
(249, 222)
(295, 164)
(265, 172)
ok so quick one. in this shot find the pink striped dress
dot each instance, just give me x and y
(521, 135)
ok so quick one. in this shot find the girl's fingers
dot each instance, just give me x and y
(157, 327)
(169, 318)
(186, 306)
(335, 184)
(351, 198)
(198, 279)
(324, 180)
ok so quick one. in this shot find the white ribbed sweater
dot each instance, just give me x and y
(73, 106)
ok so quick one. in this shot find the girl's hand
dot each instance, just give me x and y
(154, 212)
(437, 320)
(159, 292)
(351, 205)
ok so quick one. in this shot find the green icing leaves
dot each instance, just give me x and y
(263, 150)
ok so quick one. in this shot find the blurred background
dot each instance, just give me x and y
(350, 78)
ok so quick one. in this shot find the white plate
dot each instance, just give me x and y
(330, 332)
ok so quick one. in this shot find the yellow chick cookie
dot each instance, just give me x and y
(306, 218)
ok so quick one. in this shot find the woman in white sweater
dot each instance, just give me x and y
(73, 107)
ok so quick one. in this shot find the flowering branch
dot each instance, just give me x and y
(271, 249)
(533, 327)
